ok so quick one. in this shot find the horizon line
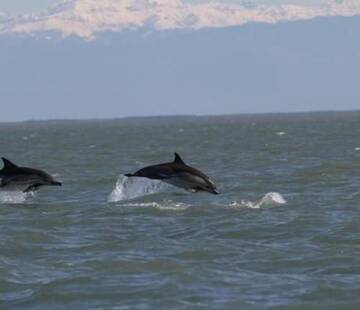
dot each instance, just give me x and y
(90, 119)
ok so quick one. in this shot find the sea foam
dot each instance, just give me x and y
(269, 199)
(164, 205)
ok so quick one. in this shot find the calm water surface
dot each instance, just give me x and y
(284, 233)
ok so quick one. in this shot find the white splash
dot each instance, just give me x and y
(281, 133)
(166, 205)
(14, 197)
(270, 199)
(130, 188)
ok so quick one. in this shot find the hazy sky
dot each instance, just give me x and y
(287, 67)
(36, 5)
(257, 68)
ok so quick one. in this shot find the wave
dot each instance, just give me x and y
(15, 197)
(269, 199)
(130, 188)
(165, 205)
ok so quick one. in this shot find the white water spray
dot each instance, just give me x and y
(15, 197)
(270, 199)
(130, 188)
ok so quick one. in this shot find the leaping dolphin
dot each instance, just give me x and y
(179, 174)
(22, 178)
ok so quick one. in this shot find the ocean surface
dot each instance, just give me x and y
(283, 234)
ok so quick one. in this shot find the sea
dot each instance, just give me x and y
(284, 233)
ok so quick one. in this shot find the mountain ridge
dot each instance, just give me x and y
(89, 18)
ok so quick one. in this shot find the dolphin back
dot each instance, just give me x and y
(8, 165)
(29, 178)
(178, 159)
(179, 174)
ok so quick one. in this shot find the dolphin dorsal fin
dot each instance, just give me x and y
(178, 159)
(8, 164)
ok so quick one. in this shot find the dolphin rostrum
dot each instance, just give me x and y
(179, 174)
(22, 178)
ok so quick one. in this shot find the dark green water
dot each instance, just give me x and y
(103, 242)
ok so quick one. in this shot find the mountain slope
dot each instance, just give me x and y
(88, 18)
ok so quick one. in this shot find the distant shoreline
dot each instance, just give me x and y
(148, 117)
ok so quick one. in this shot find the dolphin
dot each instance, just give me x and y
(14, 177)
(179, 174)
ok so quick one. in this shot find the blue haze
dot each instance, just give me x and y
(298, 66)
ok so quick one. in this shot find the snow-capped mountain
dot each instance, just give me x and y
(87, 18)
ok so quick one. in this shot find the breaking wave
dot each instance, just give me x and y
(270, 199)
(130, 188)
